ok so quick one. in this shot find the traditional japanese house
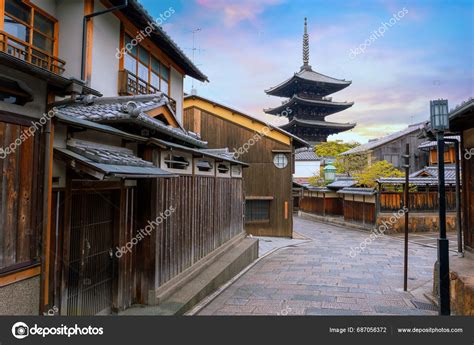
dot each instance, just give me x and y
(391, 147)
(267, 149)
(462, 122)
(308, 103)
(31, 76)
(131, 204)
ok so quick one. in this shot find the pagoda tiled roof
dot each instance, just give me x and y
(319, 124)
(307, 75)
(336, 106)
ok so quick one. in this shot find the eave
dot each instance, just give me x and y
(333, 106)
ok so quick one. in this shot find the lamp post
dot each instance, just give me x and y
(439, 124)
(329, 173)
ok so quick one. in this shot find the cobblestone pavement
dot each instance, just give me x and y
(321, 278)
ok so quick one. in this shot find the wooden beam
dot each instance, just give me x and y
(89, 9)
(19, 276)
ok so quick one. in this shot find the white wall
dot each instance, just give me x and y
(306, 168)
(177, 92)
(69, 14)
(105, 66)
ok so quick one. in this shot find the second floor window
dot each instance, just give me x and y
(31, 33)
(29, 26)
(146, 67)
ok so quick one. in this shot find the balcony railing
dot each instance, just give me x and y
(131, 84)
(23, 51)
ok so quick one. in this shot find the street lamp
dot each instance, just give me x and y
(439, 124)
(329, 173)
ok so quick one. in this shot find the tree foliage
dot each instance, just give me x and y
(369, 175)
(333, 148)
(351, 164)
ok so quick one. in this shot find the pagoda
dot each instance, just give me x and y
(308, 103)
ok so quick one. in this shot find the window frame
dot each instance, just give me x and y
(251, 219)
(128, 37)
(31, 27)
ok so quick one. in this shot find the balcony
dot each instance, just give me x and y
(23, 51)
(130, 84)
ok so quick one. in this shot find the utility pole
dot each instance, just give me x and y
(406, 203)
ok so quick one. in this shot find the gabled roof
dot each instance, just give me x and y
(128, 109)
(141, 18)
(387, 139)
(462, 117)
(322, 103)
(416, 181)
(432, 171)
(297, 142)
(308, 76)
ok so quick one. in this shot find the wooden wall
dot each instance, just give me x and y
(20, 196)
(357, 211)
(468, 187)
(262, 178)
(322, 206)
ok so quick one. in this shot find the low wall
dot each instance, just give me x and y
(418, 222)
(20, 298)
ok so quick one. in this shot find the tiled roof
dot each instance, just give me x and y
(432, 171)
(427, 144)
(129, 109)
(319, 123)
(108, 160)
(141, 18)
(385, 140)
(306, 154)
(357, 191)
(342, 182)
(417, 181)
(107, 154)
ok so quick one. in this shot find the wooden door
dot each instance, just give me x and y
(90, 273)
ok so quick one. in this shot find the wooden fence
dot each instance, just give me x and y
(208, 213)
(419, 201)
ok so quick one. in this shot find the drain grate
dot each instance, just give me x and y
(425, 306)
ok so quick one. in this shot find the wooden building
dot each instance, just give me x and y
(462, 122)
(268, 150)
(391, 148)
(110, 200)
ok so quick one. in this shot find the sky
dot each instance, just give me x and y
(422, 50)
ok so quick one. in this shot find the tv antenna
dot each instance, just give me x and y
(194, 50)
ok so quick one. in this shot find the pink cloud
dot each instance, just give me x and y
(236, 11)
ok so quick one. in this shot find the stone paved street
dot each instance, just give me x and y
(321, 278)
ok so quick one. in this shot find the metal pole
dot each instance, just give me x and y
(443, 244)
(406, 204)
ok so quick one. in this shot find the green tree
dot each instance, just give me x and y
(369, 175)
(333, 148)
(351, 164)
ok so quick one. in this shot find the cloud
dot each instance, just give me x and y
(236, 11)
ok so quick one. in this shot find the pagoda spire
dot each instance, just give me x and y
(306, 47)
